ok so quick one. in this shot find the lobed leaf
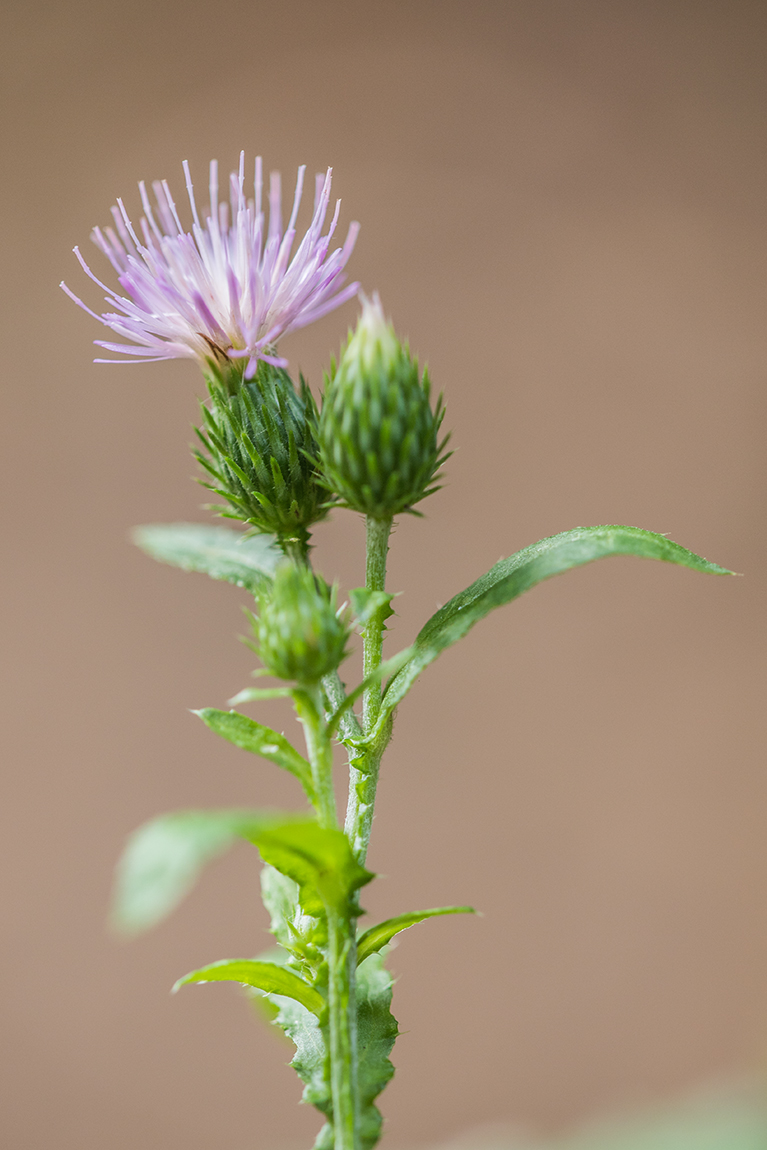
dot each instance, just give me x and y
(251, 736)
(246, 560)
(511, 577)
(378, 936)
(265, 976)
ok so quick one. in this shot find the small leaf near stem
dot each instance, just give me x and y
(251, 736)
(235, 556)
(265, 976)
(379, 936)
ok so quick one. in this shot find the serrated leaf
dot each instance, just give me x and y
(251, 736)
(377, 1031)
(246, 560)
(319, 860)
(378, 936)
(311, 1061)
(265, 976)
(163, 859)
(511, 577)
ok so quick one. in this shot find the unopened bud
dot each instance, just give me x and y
(379, 437)
(300, 634)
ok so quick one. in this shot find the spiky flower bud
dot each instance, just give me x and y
(300, 634)
(259, 437)
(379, 437)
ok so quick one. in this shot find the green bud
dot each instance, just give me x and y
(300, 634)
(379, 438)
(260, 440)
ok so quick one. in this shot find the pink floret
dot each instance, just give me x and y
(229, 285)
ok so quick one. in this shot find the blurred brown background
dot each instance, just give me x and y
(563, 207)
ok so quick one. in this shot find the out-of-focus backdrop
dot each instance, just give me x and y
(563, 207)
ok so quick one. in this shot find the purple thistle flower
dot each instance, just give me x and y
(228, 287)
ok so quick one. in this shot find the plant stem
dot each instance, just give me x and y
(335, 693)
(342, 942)
(296, 548)
(363, 779)
(319, 748)
(342, 961)
(378, 531)
(363, 770)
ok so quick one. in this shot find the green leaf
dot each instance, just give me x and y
(318, 859)
(259, 740)
(311, 1061)
(266, 976)
(376, 1033)
(246, 560)
(510, 577)
(378, 936)
(163, 859)
(256, 694)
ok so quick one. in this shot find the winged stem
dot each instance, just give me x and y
(363, 769)
(342, 963)
(342, 946)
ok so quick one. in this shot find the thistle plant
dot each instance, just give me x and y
(223, 292)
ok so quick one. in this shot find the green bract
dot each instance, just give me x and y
(379, 437)
(300, 635)
(259, 437)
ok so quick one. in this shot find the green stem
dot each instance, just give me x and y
(296, 547)
(363, 779)
(342, 961)
(378, 531)
(363, 769)
(335, 693)
(319, 748)
(342, 943)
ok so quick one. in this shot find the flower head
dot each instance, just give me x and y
(228, 287)
(380, 450)
(300, 633)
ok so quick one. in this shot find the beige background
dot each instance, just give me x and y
(563, 206)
